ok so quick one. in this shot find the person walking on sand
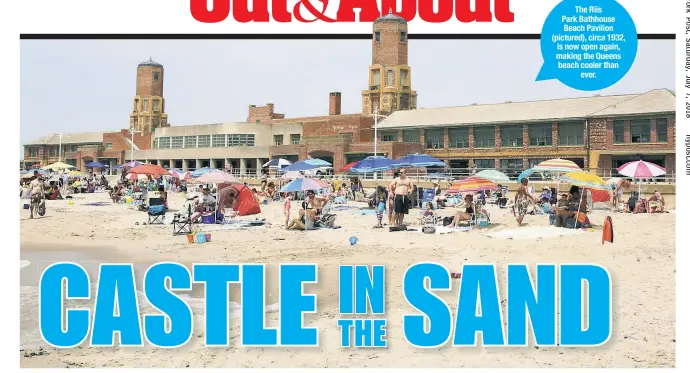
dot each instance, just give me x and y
(522, 201)
(36, 193)
(401, 187)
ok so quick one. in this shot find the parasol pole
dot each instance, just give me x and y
(578, 210)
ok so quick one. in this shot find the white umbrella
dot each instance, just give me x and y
(277, 163)
(215, 177)
(291, 175)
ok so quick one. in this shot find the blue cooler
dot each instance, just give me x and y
(208, 219)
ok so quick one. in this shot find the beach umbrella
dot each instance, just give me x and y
(584, 180)
(30, 174)
(373, 163)
(200, 171)
(472, 184)
(317, 162)
(300, 166)
(136, 177)
(149, 169)
(131, 164)
(215, 177)
(95, 165)
(22, 172)
(494, 175)
(437, 176)
(75, 173)
(418, 160)
(347, 167)
(641, 170)
(525, 174)
(556, 165)
(179, 174)
(277, 163)
(58, 166)
(291, 175)
(117, 167)
(301, 185)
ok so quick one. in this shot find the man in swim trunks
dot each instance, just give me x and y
(391, 200)
(401, 187)
(522, 199)
(36, 193)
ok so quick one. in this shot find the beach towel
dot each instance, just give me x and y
(532, 233)
(607, 234)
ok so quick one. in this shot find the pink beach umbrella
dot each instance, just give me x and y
(182, 175)
(641, 170)
(215, 177)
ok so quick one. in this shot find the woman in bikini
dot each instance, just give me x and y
(306, 219)
(464, 215)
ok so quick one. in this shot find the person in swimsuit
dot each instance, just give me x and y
(391, 200)
(264, 179)
(617, 186)
(401, 187)
(306, 219)
(316, 203)
(36, 194)
(522, 201)
(464, 215)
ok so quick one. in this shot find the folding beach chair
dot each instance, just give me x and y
(156, 211)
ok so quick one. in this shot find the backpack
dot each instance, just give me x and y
(42, 208)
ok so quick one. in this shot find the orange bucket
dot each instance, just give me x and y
(190, 238)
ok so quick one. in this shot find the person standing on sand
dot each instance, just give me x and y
(401, 187)
(391, 200)
(522, 199)
(36, 193)
(617, 186)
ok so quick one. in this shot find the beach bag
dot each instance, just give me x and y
(447, 220)
(327, 221)
(42, 208)
(640, 207)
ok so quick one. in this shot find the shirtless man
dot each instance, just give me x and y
(391, 200)
(401, 187)
(36, 193)
(522, 199)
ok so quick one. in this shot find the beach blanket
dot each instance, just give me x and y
(443, 230)
(533, 233)
(96, 204)
(236, 224)
(344, 207)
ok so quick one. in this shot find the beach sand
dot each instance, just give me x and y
(641, 262)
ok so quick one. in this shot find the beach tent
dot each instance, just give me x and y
(245, 203)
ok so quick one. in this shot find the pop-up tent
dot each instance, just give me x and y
(245, 203)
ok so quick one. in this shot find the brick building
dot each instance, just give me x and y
(599, 133)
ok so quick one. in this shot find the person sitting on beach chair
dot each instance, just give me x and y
(427, 217)
(466, 215)
(305, 220)
(656, 203)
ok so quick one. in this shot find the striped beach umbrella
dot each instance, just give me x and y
(494, 175)
(301, 185)
(556, 165)
(471, 184)
(641, 170)
(584, 180)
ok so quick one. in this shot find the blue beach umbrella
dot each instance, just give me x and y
(525, 174)
(277, 163)
(419, 160)
(200, 171)
(300, 166)
(301, 185)
(317, 162)
(95, 165)
(373, 164)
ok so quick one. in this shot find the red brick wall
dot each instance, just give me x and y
(145, 84)
(263, 113)
(389, 51)
(334, 103)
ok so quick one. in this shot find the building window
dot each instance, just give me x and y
(377, 36)
(218, 141)
(277, 139)
(155, 143)
(389, 136)
(164, 143)
(485, 164)
(33, 152)
(535, 161)
(156, 76)
(619, 132)
(203, 141)
(571, 133)
(511, 165)
(403, 78)
(458, 138)
(511, 137)
(71, 162)
(377, 77)
(190, 141)
(403, 36)
(145, 104)
(52, 151)
(176, 142)
(485, 137)
(411, 136)
(295, 139)
(136, 104)
(434, 138)
(540, 134)
(390, 78)
(661, 130)
(155, 106)
(640, 130)
(241, 140)
(108, 145)
(72, 148)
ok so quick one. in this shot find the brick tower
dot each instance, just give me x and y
(149, 105)
(389, 75)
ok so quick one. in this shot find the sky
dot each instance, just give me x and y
(88, 85)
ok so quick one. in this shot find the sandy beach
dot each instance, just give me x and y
(641, 261)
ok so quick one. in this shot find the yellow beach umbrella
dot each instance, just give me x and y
(584, 180)
(58, 166)
(75, 173)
